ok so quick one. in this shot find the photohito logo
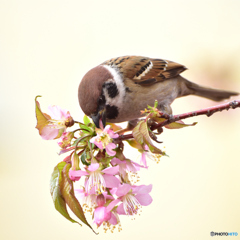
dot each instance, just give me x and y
(223, 234)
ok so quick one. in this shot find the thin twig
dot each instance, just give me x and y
(207, 111)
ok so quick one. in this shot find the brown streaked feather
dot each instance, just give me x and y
(146, 71)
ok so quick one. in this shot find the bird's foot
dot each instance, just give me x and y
(131, 125)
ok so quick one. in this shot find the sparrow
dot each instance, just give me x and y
(118, 89)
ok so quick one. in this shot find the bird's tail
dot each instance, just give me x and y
(210, 93)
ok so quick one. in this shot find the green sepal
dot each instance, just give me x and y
(86, 129)
(42, 118)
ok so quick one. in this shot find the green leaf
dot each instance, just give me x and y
(83, 158)
(58, 200)
(86, 120)
(138, 132)
(86, 129)
(141, 135)
(173, 125)
(179, 124)
(67, 191)
(42, 118)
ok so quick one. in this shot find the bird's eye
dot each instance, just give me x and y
(101, 100)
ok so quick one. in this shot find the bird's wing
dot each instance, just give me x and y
(145, 71)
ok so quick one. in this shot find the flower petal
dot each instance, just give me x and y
(132, 166)
(106, 129)
(111, 170)
(142, 189)
(120, 209)
(112, 134)
(112, 204)
(144, 199)
(80, 194)
(143, 159)
(98, 144)
(113, 220)
(93, 139)
(93, 167)
(55, 112)
(109, 149)
(101, 215)
(78, 173)
(48, 133)
(123, 189)
(111, 181)
(116, 161)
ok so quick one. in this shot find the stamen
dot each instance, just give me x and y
(96, 181)
(104, 138)
(57, 124)
(107, 226)
(131, 204)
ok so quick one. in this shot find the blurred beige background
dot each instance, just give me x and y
(45, 49)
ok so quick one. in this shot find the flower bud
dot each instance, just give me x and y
(69, 122)
(101, 200)
(75, 162)
(75, 167)
(65, 140)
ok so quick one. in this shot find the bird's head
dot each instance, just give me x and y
(93, 94)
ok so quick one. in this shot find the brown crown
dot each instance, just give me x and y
(90, 88)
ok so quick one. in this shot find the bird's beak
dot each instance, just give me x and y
(99, 117)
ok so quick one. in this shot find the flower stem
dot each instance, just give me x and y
(77, 122)
(80, 141)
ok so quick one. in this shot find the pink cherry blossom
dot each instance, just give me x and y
(80, 193)
(132, 198)
(97, 180)
(88, 201)
(101, 214)
(103, 140)
(147, 154)
(57, 124)
(126, 166)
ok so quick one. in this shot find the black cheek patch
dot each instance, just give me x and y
(111, 112)
(111, 89)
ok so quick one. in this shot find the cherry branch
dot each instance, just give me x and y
(207, 111)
